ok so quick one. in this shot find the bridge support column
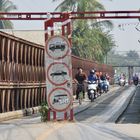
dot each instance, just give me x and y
(130, 73)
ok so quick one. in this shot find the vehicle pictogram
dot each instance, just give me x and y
(58, 73)
(57, 47)
(60, 99)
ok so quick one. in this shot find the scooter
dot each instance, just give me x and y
(121, 82)
(135, 82)
(103, 86)
(92, 90)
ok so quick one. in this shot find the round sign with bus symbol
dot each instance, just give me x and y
(60, 99)
(57, 47)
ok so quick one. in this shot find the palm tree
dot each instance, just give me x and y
(91, 38)
(6, 6)
(80, 5)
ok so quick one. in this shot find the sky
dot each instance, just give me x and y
(125, 36)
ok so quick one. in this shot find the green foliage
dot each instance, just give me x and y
(91, 38)
(91, 42)
(44, 111)
(6, 6)
(128, 58)
(133, 55)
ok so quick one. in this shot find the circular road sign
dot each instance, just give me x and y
(57, 47)
(58, 73)
(59, 99)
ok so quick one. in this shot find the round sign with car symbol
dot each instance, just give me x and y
(57, 47)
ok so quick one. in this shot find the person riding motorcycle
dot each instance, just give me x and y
(103, 84)
(92, 76)
(92, 84)
(122, 79)
(80, 78)
(135, 79)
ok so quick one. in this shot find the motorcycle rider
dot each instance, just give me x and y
(80, 78)
(122, 79)
(135, 79)
(92, 78)
(101, 85)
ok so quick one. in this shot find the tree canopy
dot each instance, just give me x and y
(91, 38)
(6, 6)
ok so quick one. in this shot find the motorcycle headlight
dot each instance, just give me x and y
(92, 91)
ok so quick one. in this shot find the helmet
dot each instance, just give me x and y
(92, 71)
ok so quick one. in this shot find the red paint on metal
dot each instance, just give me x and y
(49, 115)
(65, 115)
(71, 115)
(60, 17)
(54, 115)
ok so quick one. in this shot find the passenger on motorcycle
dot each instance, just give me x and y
(80, 78)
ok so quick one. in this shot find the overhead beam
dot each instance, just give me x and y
(73, 15)
(127, 66)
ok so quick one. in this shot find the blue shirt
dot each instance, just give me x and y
(92, 77)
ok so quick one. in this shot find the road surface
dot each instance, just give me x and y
(97, 122)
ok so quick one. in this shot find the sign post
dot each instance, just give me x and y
(58, 73)
(59, 68)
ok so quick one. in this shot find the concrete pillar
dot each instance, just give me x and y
(130, 73)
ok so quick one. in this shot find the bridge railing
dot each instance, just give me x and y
(22, 73)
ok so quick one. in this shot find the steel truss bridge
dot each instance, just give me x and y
(22, 80)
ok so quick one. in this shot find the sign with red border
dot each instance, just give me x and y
(57, 47)
(60, 99)
(58, 73)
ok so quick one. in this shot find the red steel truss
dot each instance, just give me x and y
(58, 16)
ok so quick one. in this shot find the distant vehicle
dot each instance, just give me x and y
(122, 82)
(135, 80)
(103, 86)
(57, 45)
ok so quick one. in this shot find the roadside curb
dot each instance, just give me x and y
(18, 114)
(124, 107)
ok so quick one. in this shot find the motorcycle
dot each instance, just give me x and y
(122, 82)
(135, 82)
(92, 90)
(103, 86)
